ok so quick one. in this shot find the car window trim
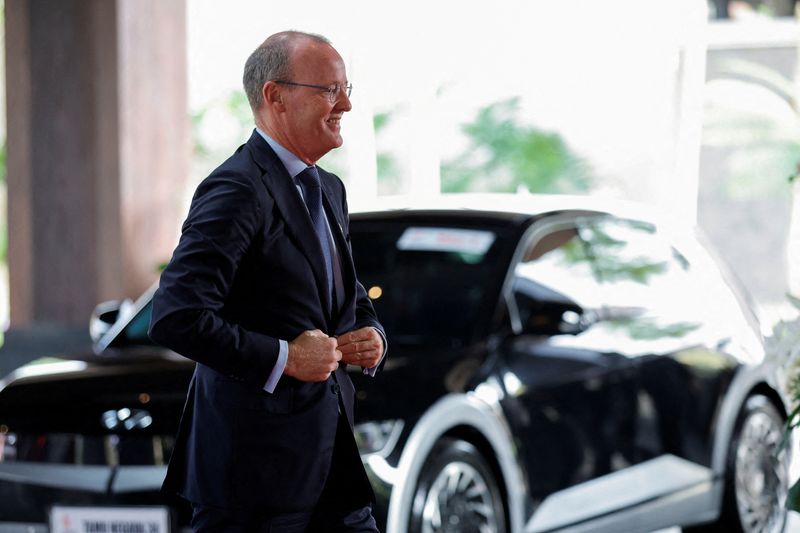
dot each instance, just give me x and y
(540, 227)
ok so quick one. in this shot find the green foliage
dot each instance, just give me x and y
(220, 126)
(388, 167)
(606, 259)
(783, 357)
(504, 155)
(335, 162)
(199, 146)
(793, 497)
(647, 329)
(793, 420)
(239, 107)
(764, 136)
(381, 120)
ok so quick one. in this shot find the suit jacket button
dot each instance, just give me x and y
(335, 388)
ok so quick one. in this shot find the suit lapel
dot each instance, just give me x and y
(294, 211)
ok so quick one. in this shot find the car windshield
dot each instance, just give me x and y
(428, 283)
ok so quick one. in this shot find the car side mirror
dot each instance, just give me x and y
(574, 322)
(104, 316)
(548, 319)
(543, 311)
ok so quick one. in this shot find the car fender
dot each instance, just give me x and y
(746, 379)
(477, 410)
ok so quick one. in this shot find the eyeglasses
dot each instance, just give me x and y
(332, 90)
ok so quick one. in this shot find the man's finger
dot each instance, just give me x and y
(347, 347)
(358, 334)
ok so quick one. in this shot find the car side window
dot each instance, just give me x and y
(645, 283)
(554, 283)
(605, 269)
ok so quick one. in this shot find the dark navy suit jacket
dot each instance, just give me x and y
(248, 270)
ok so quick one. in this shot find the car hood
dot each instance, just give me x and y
(415, 377)
(71, 395)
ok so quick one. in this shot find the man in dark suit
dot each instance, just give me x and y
(262, 293)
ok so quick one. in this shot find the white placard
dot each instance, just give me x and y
(468, 241)
(65, 519)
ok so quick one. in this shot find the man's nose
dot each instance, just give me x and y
(343, 102)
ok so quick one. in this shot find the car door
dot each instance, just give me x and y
(599, 384)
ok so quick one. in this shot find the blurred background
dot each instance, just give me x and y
(115, 110)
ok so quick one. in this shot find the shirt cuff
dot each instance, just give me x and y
(371, 371)
(280, 365)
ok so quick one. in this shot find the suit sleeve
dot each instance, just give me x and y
(365, 312)
(188, 307)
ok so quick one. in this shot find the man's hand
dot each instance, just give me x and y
(312, 356)
(362, 347)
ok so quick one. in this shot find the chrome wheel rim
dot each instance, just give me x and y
(761, 475)
(459, 500)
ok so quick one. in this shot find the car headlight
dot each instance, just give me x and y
(8, 445)
(375, 437)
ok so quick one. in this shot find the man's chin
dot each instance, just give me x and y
(336, 142)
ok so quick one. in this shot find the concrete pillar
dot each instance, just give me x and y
(98, 150)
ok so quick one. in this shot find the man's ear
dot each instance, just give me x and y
(272, 94)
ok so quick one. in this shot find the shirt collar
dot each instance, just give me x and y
(293, 164)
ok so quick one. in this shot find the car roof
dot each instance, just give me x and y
(512, 209)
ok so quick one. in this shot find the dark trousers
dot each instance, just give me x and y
(335, 512)
(213, 520)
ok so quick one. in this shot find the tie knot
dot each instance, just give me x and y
(309, 177)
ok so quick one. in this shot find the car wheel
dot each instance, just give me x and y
(760, 470)
(757, 473)
(457, 493)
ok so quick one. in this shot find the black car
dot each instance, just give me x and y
(562, 368)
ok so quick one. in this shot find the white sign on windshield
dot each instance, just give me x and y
(467, 241)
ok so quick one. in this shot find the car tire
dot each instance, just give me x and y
(457, 492)
(756, 477)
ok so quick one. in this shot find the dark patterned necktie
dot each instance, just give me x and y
(312, 192)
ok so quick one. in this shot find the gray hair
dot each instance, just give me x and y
(271, 61)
